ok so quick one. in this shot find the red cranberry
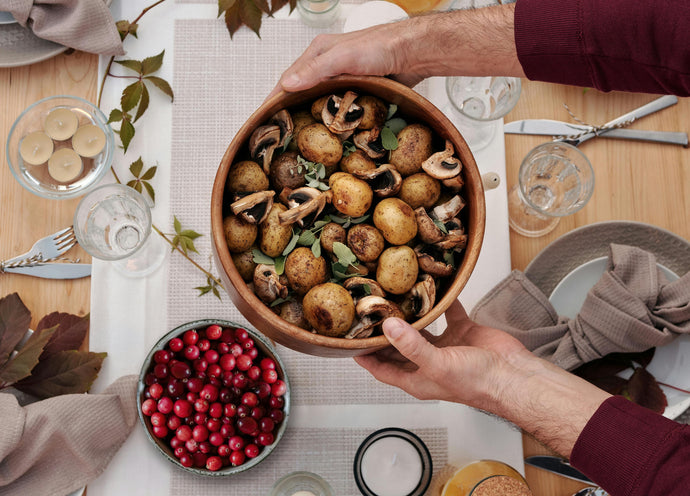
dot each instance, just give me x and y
(199, 459)
(150, 379)
(148, 407)
(192, 397)
(276, 402)
(204, 345)
(250, 399)
(236, 349)
(224, 395)
(191, 445)
(158, 419)
(269, 376)
(237, 458)
(214, 371)
(254, 373)
(201, 405)
(236, 443)
(214, 425)
(205, 447)
(243, 411)
(227, 361)
(257, 413)
(209, 393)
(251, 450)
(214, 332)
(183, 433)
(176, 442)
(227, 430)
(247, 425)
(214, 463)
(239, 380)
(228, 336)
(175, 388)
(276, 415)
(155, 391)
(186, 460)
(174, 422)
(247, 343)
(162, 356)
(223, 348)
(215, 410)
(179, 451)
(263, 390)
(279, 388)
(224, 450)
(244, 362)
(268, 364)
(195, 384)
(200, 418)
(180, 370)
(266, 438)
(200, 433)
(230, 410)
(211, 356)
(200, 365)
(253, 353)
(182, 408)
(160, 370)
(241, 334)
(176, 344)
(190, 337)
(192, 352)
(215, 439)
(266, 424)
(160, 431)
(165, 405)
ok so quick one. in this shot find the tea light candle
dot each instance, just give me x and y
(89, 140)
(61, 123)
(65, 165)
(393, 462)
(36, 148)
(303, 493)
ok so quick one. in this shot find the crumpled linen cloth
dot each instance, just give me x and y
(631, 308)
(81, 24)
(56, 446)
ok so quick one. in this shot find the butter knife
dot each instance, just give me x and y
(53, 270)
(548, 127)
(558, 466)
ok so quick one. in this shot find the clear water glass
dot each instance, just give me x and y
(476, 103)
(113, 222)
(555, 180)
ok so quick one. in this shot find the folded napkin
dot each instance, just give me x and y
(57, 445)
(82, 24)
(632, 308)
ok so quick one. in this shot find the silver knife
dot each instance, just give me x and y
(558, 466)
(548, 127)
(54, 270)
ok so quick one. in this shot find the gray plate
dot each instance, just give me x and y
(19, 46)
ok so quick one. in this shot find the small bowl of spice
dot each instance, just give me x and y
(60, 147)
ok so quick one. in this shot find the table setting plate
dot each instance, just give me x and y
(569, 267)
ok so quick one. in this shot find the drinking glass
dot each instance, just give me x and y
(555, 180)
(476, 103)
(113, 222)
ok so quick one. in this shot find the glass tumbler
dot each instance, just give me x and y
(318, 13)
(113, 223)
(555, 179)
(476, 103)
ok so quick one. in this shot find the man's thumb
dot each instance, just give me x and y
(408, 341)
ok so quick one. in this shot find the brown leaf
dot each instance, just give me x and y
(15, 319)
(224, 5)
(70, 334)
(232, 18)
(607, 366)
(645, 391)
(25, 360)
(66, 372)
(251, 15)
(611, 384)
(276, 5)
(293, 5)
(263, 6)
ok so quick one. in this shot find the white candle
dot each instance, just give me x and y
(61, 123)
(303, 493)
(36, 148)
(89, 140)
(65, 165)
(391, 466)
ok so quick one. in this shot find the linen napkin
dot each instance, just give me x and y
(56, 446)
(632, 308)
(82, 24)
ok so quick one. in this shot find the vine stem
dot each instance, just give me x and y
(673, 387)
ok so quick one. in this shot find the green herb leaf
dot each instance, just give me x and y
(115, 116)
(133, 65)
(441, 226)
(291, 244)
(344, 254)
(211, 287)
(392, 109)
(131, 96)
(280, 265)
(184, 239)
(448, 258)
(261, 258)
(316, 248)
(366, 289)
(396, 125)
(338, 220)
(306, 238)
(162, 85)
(348, 148)
(15, 319)
(359, 220)
(278, 301)
(150, 190)
(143, 103)
(136, 167)
(388, 139)
(151, 64)
(20, 366)
(126, 133)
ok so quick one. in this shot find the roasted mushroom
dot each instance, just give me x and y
(369, 141)
(286, 172)
(420, 190)
(443, 165)
(305, 205)
(341, 115)
(291, 311)
(414, 147)
(375, 112)
(329, 309)
(448, 210)
(263, 142)
(372, 311)
(254, 207)
(429, 232)
(359, 287)
(267, 284)
(283, 120)
(396, 220)
(421, 298)
(384, 181)
(432, 260)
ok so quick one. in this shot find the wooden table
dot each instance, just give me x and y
(634, 181)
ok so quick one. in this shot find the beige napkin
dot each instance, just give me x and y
(632, 308)
(57, 445)
(82, 24)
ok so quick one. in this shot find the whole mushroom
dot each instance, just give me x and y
(317, 144)
(397, 269)
(329, 308)
(366, 242)
(304, 271)
(246, 177)
(396, 221)
(414, 147)
(372, 311)
(351, 196)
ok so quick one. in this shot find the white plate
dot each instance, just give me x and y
(670, 363)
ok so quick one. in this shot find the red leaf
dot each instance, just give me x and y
(15, 319)
(645, 391)
(21, 365)
(611, 384)
(70, 334)
(66, 372)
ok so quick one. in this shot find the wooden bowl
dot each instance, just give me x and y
(416, 108)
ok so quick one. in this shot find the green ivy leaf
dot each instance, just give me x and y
(184, 239)
(131, 96)
(20, 366)
(151, 64)
(133, 65)
(136, 167)
(115, 116)
(162, 85)
(126, 133)
(388, 139)
(143, 103)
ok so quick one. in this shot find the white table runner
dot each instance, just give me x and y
(218, 83)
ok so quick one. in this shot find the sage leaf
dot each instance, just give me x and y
(344, 254)
(441, 226)
(392, 109)
(316, 248)
(388, 139)
(152, 64)
(396, 125)
(260, 257)
(291, 244)
(306, 238)
(280, 265)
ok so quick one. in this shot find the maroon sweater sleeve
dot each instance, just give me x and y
(628, 45)
(632, 451)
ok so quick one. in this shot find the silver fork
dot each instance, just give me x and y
(44, 249)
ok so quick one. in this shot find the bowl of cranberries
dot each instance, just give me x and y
(213, 397)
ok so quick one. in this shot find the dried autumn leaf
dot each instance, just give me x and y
(20, 366)
(66, 372)
(15, 319)
(232, 18)
(251, 15)
(611, 384)
(224, 5)
(263, 6)
(70, 333)
(643, 389)
(276, 5)
(151, 64)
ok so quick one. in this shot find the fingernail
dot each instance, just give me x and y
(393, 328)
(291, 81)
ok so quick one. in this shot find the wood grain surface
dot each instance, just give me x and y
(25, 217)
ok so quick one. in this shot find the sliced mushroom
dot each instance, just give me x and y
(443, 165)
(421, 298)
(372, 311)
(449, 209)
(385, 180)
(263, 142)
(361, 287)
(454, 183)
(283, 120)
(305, 205)
(342, 115)
(369, 142)
(454, 240)
(431, 261)
(427, 229)
(253, 208)
(267, 284)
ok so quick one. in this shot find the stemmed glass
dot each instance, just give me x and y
(555, 179)
(113, 222)
(476, 103)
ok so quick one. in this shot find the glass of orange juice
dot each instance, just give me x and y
(421, 6)
(486, 478)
